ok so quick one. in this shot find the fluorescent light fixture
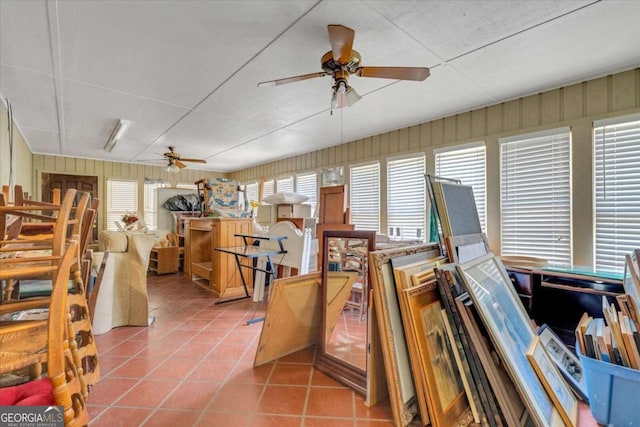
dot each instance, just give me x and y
(117, 132)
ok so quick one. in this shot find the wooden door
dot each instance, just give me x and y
(81, 183)
(333, 203)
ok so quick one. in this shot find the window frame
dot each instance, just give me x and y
(415, 202)
(116, 214)
(354, 208)
(516, 230)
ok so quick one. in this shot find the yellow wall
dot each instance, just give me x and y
(104, 170)
(575, 106)
(21, 161)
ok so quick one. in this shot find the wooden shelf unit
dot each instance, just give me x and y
(212, 270)
(164, 260)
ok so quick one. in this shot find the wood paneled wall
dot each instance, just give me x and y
(576, 106)
(105, 170)
(21, 161)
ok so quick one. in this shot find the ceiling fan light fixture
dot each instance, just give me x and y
(116, 134)
(352, 96)
(173, 168)
(344, 99)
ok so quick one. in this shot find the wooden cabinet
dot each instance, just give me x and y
(212, 270)
(197, 239)
(333, 204)
(164, 260)
(562, 296)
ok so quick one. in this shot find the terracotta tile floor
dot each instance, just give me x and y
(194, 367)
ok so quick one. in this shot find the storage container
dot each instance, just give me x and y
(613, 390)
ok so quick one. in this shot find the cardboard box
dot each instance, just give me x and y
(294, 211)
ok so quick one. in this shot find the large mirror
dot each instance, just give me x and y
(345, 294)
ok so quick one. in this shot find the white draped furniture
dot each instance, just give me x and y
(122, 297)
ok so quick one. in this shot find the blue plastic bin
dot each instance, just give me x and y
(613, 390)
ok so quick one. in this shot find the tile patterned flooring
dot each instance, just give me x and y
(194, 367)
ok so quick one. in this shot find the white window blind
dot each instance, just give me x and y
(617, 193)
(307, 184)
(267, 188)
(122, 197)
(186, 186)
(468, 165)
(284, 185)
(365, 196)
(406, 200)
(252, 191)
(535, 196)
(151, 203)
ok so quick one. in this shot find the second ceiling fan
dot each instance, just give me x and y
(342, 61)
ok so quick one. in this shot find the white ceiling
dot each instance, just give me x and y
(185, 72)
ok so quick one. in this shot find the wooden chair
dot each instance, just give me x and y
(63, 385)
(14, 269)
(40, 245)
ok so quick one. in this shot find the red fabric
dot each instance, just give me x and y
(33, 393)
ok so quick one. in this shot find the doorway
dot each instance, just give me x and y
(81, 183)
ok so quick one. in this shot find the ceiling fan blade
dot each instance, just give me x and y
(180, 164)
(193, 160)
(341, 39)
(286, 80)
(397, 73)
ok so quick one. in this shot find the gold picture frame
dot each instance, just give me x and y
(404, 275)
(446, 395)
(553, 382)
(402, 395)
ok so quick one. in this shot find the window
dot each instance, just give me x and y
(535, 195)
(617, 191)
(252, 191)
(151, 202)
(122, 197)
(284, 185)
(406, 200)
(307, 184)
(364, 196)
(466, 164)
(185, 186)
(267, 188)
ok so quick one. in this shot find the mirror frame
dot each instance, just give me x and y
(330, 365)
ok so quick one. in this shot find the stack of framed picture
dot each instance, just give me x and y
(495, 321)
(424, 370)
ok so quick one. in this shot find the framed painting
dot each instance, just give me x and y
(395, 354)
(560, 393)
(511, 332)
(433, 360)
(514, 410)
(566, 362)
(471, 369)
(403, 274)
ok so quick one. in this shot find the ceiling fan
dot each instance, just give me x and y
(342, 61)
(175, 160)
